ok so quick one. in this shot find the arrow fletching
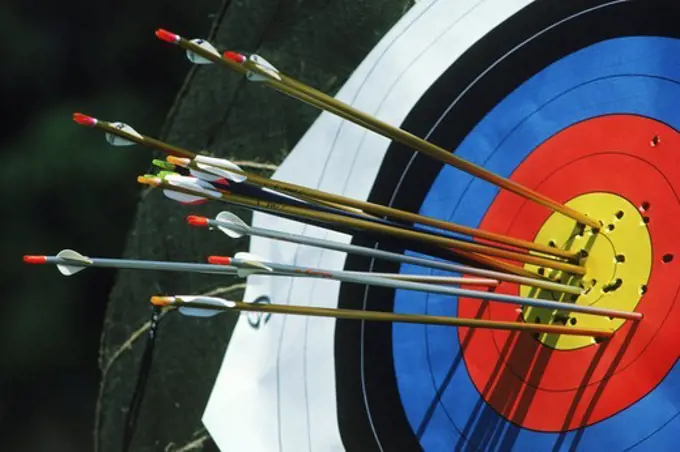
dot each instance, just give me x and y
(252, 261)
(220, 167)
(183, 300)
(162, 164)
(209, 177)
(264, 66)
(73, 256)
(205, 45)
(115, 140)
(245, 266)
(236, 228)
(246, 256)
(183, 198)
(190, 183)
(214, 174)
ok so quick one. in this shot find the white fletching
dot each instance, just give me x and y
(190, 183)
(220, 166)
(208, 177)
(266, 66)
(198, 59)
(246, 256)
(69, 270)
(253, 264)
(203, 312)
(120, 141)
(194, 184)
(236, 228)
(183, 198)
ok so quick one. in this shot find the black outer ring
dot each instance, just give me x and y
(619, 18)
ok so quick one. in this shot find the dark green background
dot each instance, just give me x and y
(63, 186)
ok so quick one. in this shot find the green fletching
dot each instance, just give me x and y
(162, 164)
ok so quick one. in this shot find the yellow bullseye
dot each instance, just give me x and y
(618, 265)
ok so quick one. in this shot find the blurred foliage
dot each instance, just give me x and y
(64, 187)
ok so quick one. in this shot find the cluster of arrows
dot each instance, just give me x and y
(489, 258)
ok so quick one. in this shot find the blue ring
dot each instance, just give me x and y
(592, 82)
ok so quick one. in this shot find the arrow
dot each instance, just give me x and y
(205, 45)
(290, 86)
(420, 287)
(233, 171)
(233, 61)
(129, 134)
(216, 166)
(391, 231)
(70, 262)
(429, 279)
(192, 196)
(199, 306)
(224, 168)
(205, 186)
(253, 264)
(255, 65)
(200, 190)
(234, 227)
(376, 209)
(162, 164)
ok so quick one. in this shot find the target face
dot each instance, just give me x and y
(577, 100)
(577, 103)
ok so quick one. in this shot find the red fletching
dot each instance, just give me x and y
(219, 260)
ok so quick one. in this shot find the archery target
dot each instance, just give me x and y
(586, 115)
(575, 99)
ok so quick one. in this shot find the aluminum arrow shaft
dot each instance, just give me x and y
(431, 288)
(386, 255)
(77, 262)
(131, 264)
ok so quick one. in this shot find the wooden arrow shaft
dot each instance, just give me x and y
(455, 244)
(338, 201)
(291, 87)
(401, 318)
(378, 209)
(314, 97)
(472, 248)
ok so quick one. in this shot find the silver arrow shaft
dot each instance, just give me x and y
(133, 264)
(395, 257)
(433, 288)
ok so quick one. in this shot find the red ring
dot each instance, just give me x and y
(552, 390)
